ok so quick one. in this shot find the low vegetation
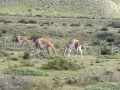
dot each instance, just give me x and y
(100, 45)
(25, 71)
(104, 86)
(61, 64)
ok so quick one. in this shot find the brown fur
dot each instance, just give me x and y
(47, 44)
(22, 38)
(73, 43)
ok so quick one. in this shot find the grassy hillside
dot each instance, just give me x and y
(62, 8)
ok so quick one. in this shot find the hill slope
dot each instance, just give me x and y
(62, 8)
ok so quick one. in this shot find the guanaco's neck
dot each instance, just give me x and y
(53, 49)
(27, 42)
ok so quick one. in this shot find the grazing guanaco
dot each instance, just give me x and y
(43, 43)
(21, 40)
(73, 43)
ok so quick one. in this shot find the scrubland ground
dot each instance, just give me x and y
(94, 66)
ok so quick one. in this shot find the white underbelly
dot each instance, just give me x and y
(72, 45)
(49, 48)
(42, 45)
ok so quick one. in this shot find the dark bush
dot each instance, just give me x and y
(104, 29)
(26, 55)
(115, 24)
(119, 31)
(4, 31)
(7, 21)
(64, 24)
(45, 23)
(23, 21)
(38, 15)
(32, 21)
(34, 37)
(110, 39)
(2, 20)
(105, 51)
(88, 24)
(72, 80)
(75, 24)
(117, 42)
(104, 35)
(96, 42)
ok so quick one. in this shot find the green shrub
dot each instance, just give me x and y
(26, 55)
(61, 64)
(72, 80)
(104, 86)
(25, 71)
(57, 81)
(108, 73)
(27, 63)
